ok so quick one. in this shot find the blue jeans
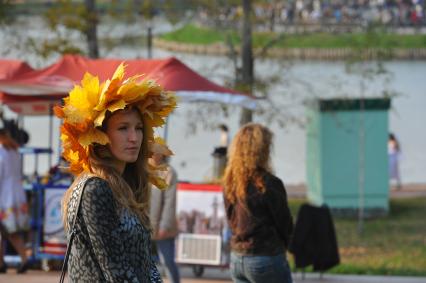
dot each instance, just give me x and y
(166, 251)
(260, 269)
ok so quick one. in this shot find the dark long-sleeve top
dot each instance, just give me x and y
(262, 223)
(111, 245)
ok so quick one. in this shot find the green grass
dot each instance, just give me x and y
(200, 35)
(195, 35)
(392, 245)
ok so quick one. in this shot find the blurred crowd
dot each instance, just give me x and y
(393, 13)
(388, 12)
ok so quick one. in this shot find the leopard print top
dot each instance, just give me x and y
(108, 246)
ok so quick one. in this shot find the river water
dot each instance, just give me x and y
(298, 82)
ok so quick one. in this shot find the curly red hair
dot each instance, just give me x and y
(249, 159)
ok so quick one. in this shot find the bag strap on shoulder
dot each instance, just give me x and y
(73, 229)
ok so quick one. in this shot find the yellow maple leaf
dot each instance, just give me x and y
(160, 146)
(119, 72)
(91, 86)
(100, 118)
(133, 91)
(77, 97)
(72, 156)
(153, 119)
(110, 88)
(144, 104)
(93, 136)
(57, 110)
(117, 105)
(157, 181)
(74, 115)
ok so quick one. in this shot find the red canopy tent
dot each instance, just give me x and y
(32, 92)
(9, 68)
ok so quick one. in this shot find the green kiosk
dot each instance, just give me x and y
(347, 162)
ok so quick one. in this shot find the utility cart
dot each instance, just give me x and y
(204, 235)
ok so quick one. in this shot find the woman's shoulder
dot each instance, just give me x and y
(273, 182)
(92, 185)
(96, 184)
(97, 190)
(269, 177)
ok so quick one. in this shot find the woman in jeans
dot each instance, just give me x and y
(256, 209)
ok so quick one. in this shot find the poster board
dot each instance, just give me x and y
(54, 241)
(204, 233)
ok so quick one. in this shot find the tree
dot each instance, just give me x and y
(69, 21)
(247, 78)
(231, 15)
(75, 22)
(11, 39)
(5, 8)
(91, 28)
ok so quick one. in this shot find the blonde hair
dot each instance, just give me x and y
(131, 189)
(249, 159)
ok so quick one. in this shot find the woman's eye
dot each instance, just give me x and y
(139, 128)
(122, 128)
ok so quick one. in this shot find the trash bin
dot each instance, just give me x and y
(347, 163)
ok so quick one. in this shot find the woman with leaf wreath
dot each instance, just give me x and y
(107, 137)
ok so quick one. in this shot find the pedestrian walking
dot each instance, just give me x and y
(163, 214)
(394, 155)
(13, 203)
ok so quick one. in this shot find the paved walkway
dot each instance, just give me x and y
(216, 275)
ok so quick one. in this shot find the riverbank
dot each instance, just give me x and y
(321, 54)
(369, 45)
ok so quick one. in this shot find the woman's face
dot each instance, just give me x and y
(125, 132)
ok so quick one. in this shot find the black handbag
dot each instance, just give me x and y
(73, 230)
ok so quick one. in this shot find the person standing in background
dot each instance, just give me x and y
(163, 214)
(220, 152)
(13, 203)
(224, 136)
(394, 152)
(256, 209)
